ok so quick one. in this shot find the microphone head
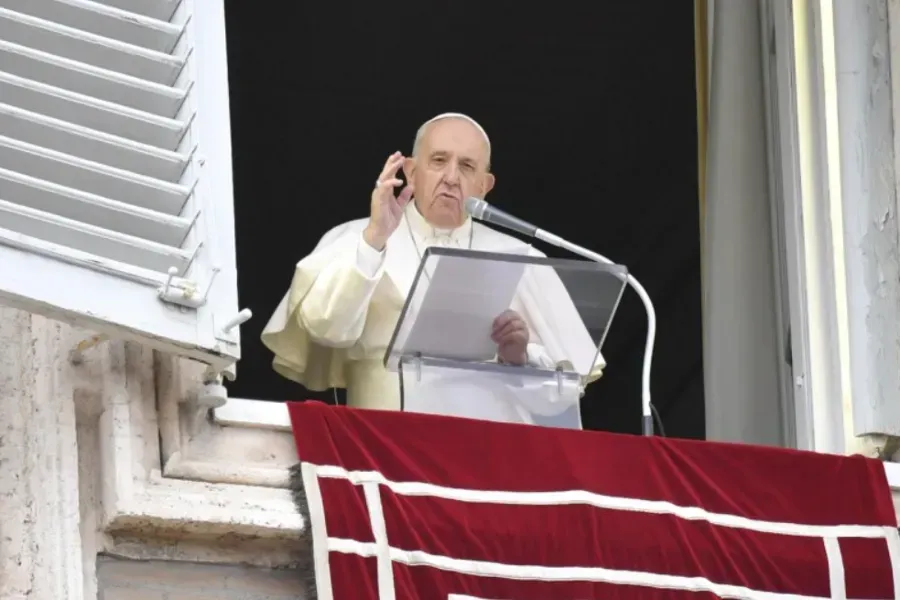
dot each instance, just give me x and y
(475, 207)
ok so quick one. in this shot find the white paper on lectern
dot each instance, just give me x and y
(463, 298)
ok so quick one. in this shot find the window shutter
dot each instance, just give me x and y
(115, 170)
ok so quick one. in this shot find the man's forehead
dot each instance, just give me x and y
(460, 117)
(446, 131)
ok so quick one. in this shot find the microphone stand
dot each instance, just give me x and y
(646, 410)
(480, 209)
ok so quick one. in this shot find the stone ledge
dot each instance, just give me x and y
(171, 507)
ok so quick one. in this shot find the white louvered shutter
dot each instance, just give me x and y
(115, 170)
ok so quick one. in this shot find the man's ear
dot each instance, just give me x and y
(489, 181)
(409, 169)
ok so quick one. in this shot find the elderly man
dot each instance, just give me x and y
(333, 326)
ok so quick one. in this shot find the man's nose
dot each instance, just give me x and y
(451, 173)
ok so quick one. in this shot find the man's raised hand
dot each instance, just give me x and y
(387, 209)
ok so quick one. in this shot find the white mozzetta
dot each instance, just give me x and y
(116, 203)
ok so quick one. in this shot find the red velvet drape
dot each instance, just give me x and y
(448, 506)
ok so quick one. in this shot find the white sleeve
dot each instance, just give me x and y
(335, 308)
(369, 261)
(539, 357)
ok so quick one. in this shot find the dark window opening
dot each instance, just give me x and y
(591, 110)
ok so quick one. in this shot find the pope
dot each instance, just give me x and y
(335, 322)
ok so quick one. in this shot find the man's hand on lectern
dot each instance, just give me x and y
(510, 333)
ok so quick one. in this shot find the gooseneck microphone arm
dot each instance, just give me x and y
(481, 210)
(646, 414)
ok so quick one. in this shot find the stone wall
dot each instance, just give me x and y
(83, 476)
(119, 579)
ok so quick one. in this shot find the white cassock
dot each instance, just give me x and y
(333, 326)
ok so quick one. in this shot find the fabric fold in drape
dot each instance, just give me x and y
(741, 375)
(405, 505)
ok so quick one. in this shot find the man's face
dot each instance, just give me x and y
(452, 164)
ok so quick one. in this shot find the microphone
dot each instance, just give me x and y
(481, 210)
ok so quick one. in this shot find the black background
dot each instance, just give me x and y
(591, 109)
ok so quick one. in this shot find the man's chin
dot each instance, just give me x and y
(446, 220)
(446, 213)
(447, 203)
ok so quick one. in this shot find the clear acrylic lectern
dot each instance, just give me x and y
(447, 363)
